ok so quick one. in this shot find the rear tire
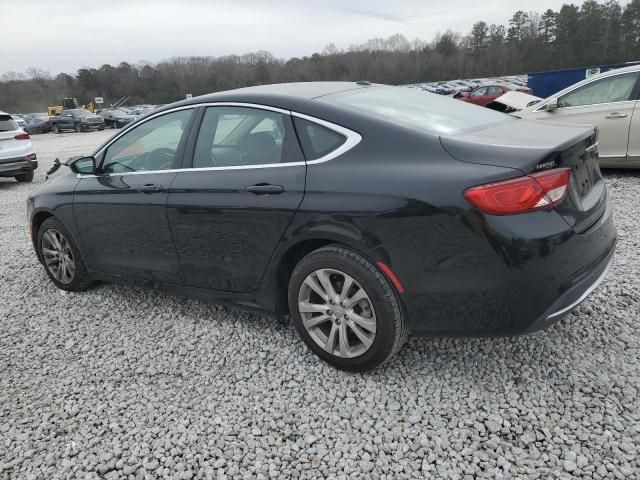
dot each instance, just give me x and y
(374, 327)
(25, 177)
(61, 258)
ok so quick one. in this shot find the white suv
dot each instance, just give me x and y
(17, 158)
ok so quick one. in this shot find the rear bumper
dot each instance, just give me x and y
(574, 296)
(477, 275)
(16, 166)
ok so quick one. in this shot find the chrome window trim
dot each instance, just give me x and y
(352, 139)
(604, 76)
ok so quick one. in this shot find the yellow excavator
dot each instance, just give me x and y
(69, 104)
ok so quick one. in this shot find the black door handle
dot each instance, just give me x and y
(265, 189)
(149, 188)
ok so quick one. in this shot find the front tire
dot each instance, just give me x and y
(345, 310)
(78, 128)
(61, 258)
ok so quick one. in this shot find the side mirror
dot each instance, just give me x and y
(84, 165)
(551, 105)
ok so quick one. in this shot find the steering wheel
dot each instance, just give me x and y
(159, 159)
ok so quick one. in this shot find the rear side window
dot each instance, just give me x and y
(244, 136)
(7, 124)
(419, 110)
(316, 140)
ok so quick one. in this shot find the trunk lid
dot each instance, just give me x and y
(534, 147)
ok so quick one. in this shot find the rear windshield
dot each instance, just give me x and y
(7, 124)
(420, 110)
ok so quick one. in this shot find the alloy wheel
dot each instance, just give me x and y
(58, 257)
(337, 313)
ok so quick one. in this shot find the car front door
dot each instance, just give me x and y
(607, 102)
(121, 211)
(229, 209)
(633, 150)
(477, 96)
(66, 121)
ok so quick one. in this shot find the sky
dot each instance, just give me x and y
(64, 35)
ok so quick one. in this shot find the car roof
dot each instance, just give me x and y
(308, 90)
(284, 95)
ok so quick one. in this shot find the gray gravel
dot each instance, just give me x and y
(128, 383)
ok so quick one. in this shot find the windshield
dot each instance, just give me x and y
(416, 109)
(117, 113)
(81, 113)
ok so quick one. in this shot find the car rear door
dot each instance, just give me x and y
(121, 212)
(493, 92)
(478, 96)
(228, 209)
(607, 102)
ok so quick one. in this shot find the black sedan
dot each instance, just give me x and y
(116, 118)
(38, 124)
(365, 212)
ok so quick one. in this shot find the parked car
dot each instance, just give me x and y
(116, 118)
(78, 120)
(17, 158)
(366, 212)
(434, 89)
(136, 113)
(38, 124)
(19, 120)
(485, 94)
(608, 100)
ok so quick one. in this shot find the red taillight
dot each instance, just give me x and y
(522, 194)
(22, 136)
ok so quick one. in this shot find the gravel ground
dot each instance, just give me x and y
(127, 383)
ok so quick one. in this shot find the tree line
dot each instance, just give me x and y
(597, 32)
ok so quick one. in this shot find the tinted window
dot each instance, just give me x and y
(236, 136)
(618, 88)
(7, 124)
(419, 110)
(317, 141)
(150, 146)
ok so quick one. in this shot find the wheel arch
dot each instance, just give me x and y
(290, 254)
(37, 219)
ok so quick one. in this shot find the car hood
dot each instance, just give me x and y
(517, 100)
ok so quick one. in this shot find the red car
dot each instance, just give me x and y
(485, 94)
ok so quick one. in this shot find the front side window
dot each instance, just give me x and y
(494, 91)
(479, 92)
(618, 88)
(150, 146)
(237, 136)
